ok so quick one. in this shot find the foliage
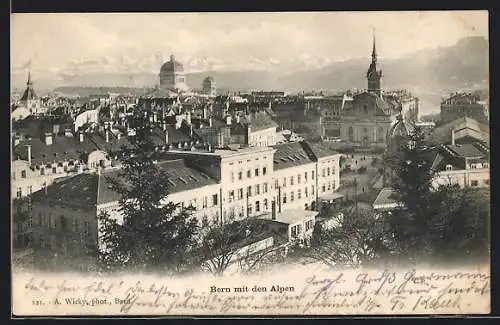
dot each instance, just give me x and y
(362, 170)
(360, 239)
(154, 233)
(223, 245)
(443, 222)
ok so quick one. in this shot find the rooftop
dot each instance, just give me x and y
(290, 155)
(386, 197)
(292, 216)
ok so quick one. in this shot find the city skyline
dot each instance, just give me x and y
(226, 41)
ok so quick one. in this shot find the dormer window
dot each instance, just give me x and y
(486, 165)
(449, 167)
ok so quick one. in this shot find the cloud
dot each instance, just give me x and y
(128, 42)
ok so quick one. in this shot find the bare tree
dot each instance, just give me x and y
(360, 238)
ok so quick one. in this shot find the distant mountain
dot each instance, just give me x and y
(429, 74)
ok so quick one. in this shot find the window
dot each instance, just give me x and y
(299, 194)
(264, 187)
(309, 225)
(256, 172)
(257, 189)
(323, 172)
(40, 219)
(284, 181)
(312, 174)
(14, 176)
(294, 231)
(312, 190)
(486, 165)
(329, 186)
(86, 229)
(240, 194)
(305, 177)
(54, 170)
(474, 183)
(365, 109)
(23, 174)
(64, 226)
(328, 171)
(291, 180)
(75, 225)
(299, 229)
(265, 204)
(284, 198)
(42, 171)
(65, 168)
(298, 179)
(264, 170)
(249, 191)
(449, 167)
(257, 206)
(214, 200)
(249, 174)
(324, 188)
(291, 196)
(232, 177)
(30, 190)
(19, 192)
(486, 181)
(249, 210)
(231, 196)
(276, 184)
(351, 134)
(240, 175)
(204, 202)
(305, 191)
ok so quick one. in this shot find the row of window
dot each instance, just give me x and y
(291, 179)
(42, 169)
(284, 199)
(258, 190)
(60, 222)
(256, 173)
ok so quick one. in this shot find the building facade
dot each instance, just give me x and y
(172, 76)
(460, 105)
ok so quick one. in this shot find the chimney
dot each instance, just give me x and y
(210, 147)
(228, 120)
(205, 114)
(191, 130)
(188, 118)
(452, 137)
(81, 137)
(107, 135)
(166, 136)
(164, 125)
(210, 122)
(118, 135)
(273, 210)
(237, 119)
(48, 138)
(29, 154)
(155, 117)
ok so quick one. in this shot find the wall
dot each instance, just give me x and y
(463, 178)
(284, 181)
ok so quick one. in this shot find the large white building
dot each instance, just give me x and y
(221, 184)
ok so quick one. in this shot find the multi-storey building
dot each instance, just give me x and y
(466, 165)
(221, 184)
(459, 105)
(172, 76)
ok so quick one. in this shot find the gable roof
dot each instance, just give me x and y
(289, 155)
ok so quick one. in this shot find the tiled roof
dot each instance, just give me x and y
(290, 155)
(257, 121)
(318, 149)
(62, 148)
(442, 133)
(386, 196)
(79, 191)
(466, 150)
(181, 178)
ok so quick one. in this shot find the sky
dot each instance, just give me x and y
(72, 43)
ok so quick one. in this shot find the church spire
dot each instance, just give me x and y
(374, 50)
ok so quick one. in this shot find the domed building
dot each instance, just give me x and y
(398, 136)
(209, 87)
(172, 76)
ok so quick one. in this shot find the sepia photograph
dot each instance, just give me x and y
(250, 163)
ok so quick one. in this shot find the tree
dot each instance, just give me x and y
(410, 222)
(359, 238)
(435, 222)
(154, 233)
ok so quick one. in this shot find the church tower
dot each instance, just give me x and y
(29, 99)
(374, 73)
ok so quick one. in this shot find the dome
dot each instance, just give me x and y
(172, 66)
(398, 129)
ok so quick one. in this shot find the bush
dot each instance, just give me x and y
(362, 170)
